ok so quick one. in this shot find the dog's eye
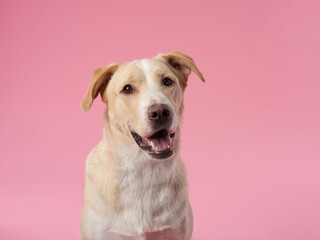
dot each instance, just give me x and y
(167, 81)
(127, 89)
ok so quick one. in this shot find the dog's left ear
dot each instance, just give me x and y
(99, 82)
(182, 64)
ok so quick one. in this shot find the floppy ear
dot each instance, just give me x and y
(99, 82)
(183, 64)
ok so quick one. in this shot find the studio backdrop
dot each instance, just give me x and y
(250, 135)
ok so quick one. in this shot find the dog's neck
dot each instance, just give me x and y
(145, 187)
(130, 158)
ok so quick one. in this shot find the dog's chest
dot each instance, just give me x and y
(146, 199)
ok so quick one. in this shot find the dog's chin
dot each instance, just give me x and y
(159, 145)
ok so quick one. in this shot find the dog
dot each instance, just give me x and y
(135, 181)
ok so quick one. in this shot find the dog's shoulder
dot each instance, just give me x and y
(100, 175)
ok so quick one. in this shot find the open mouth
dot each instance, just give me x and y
(159, 145)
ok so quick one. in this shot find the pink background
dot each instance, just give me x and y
(251, 136)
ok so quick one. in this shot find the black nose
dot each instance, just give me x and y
(159, 113)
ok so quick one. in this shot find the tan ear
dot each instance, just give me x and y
(182, 63)
(100, 79)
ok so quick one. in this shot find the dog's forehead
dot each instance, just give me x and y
(152, 66)
(142, 69)
(129, 70)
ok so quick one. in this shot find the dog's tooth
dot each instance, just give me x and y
(152, 144)
(170, 141)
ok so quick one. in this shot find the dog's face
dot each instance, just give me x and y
(145, 99)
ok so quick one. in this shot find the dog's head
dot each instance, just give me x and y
(145, 99)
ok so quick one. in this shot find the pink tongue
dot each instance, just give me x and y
(161, 142)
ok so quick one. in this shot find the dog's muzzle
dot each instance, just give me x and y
(160, 144)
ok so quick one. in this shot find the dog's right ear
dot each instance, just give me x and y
(99, 82)
(183, 64)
